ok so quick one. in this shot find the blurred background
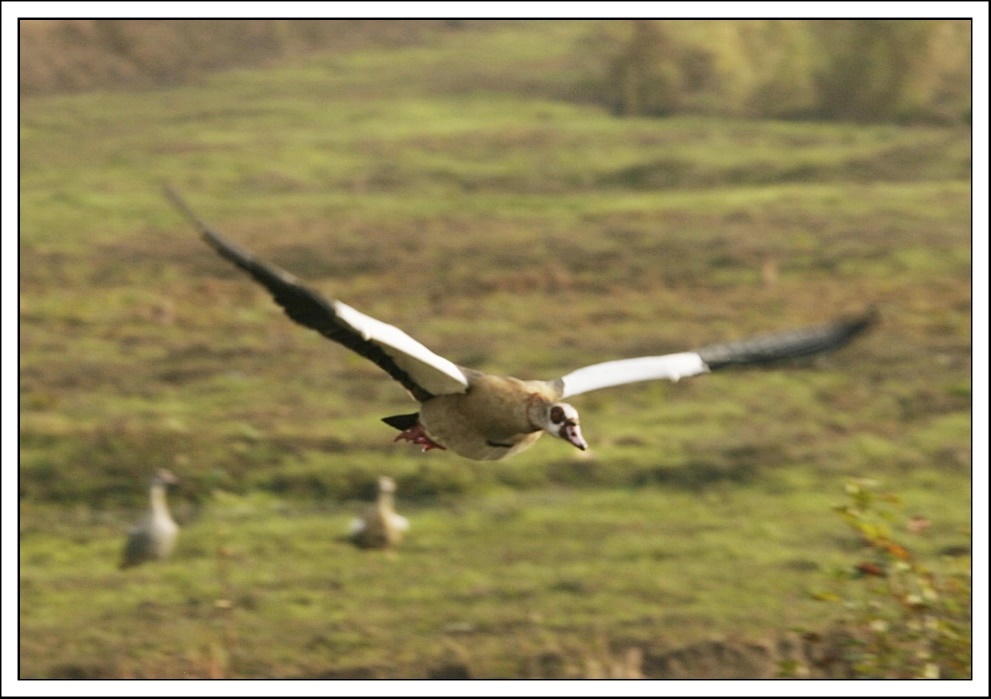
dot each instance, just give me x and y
(523, 197)
(869, 70)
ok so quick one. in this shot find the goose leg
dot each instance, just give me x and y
(416, 435)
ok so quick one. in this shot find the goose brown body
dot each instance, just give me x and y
(491, 420)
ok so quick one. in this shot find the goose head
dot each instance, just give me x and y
(164, 477)
(386, 485)
(557, 419)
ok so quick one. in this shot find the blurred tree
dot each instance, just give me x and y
(646, 73)
(640, 76)
(780, 54)
(862, 70)
(868, 65)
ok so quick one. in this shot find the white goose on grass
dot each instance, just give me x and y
(380, 527)
(154, 537)
(488, 417)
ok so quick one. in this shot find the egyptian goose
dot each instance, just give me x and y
(154, 537)
(486, 417)
(380, 527)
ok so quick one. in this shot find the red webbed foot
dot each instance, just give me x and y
(416, 435)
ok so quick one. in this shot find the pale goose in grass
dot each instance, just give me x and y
(380, 527)
(487, 417)
(154, 537)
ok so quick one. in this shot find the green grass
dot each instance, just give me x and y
(447, 188)
(508, 573)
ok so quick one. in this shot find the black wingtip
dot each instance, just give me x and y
(177, 200)
(791, 344)
(224, 247)
(869, 318)
(850, 327)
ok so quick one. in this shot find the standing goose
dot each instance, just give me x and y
(487, 417)
(154, 537)
(380, 527)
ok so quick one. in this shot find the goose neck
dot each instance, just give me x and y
(158, 503)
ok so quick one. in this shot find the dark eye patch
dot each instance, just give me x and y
(557, 414)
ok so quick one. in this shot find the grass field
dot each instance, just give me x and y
(447, 188)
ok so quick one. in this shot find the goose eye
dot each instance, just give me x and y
(557, 415)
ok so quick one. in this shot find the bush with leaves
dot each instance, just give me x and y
(907, 619)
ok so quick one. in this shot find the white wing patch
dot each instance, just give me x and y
(400, 523)
(357, 525)
(623, 371)
(431, 371)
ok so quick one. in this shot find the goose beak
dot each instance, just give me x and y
(570, 432)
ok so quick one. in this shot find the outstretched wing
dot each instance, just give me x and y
(423, 373)
(763, 349)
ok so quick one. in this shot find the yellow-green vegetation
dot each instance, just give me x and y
(908, 618)
(857, 69)
(448, 188)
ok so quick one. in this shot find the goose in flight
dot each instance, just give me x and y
(487, 417)
(380, 527)
(154, 537)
